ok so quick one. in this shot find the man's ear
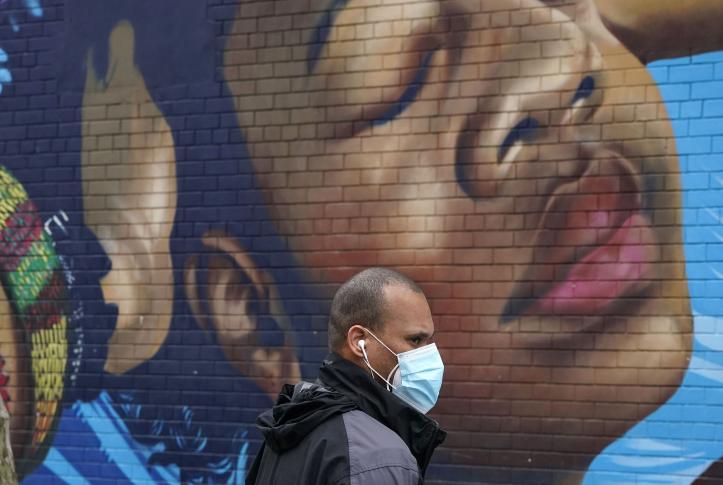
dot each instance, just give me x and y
(239, 304)
(355, 338)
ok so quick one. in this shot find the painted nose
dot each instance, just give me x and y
(485, 157)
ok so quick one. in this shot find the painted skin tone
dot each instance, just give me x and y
(130, 199)
(644, 26)
(526, 178)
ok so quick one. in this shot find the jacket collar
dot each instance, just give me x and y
(421, 433)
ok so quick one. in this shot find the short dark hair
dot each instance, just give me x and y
(361, 301)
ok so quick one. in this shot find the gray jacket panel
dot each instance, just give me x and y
(377, 455)
(386, 476)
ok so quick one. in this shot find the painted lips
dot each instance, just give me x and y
(604, 275)
(593, 247)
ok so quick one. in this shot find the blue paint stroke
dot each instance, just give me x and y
(113, 435)
(239, 474)
(321, 33)
(61, 467)
(5, 75)
(14, 23)
(5, 78)
(410, 93)
(680, 440)
(36, 10)
(160, 474)
(33, 6)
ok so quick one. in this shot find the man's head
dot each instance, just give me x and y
(385, 303)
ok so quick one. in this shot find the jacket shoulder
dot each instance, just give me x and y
(319, 458)
(376, 453)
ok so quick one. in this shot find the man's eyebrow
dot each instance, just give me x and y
(422, 335)
(321, 33)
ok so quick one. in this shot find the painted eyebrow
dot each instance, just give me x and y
(321, 33)
(318, 42)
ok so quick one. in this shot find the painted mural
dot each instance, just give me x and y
(184, 184)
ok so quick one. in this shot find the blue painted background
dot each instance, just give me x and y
(683, 438)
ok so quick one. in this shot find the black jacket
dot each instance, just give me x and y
(343, 430)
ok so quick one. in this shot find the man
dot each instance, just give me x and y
(363, 421)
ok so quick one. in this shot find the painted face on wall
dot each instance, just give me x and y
(515, 160)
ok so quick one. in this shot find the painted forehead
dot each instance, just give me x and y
(320, 38)
(331, 9)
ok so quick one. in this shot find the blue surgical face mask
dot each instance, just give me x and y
(417, 377)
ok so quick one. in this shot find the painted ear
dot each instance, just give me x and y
(239, 304)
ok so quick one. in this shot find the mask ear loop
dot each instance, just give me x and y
(389, 378)
(366, 361)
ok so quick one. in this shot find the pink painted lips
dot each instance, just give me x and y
(604, 275)
(593, 247)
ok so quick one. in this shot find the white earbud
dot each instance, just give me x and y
(361, 344)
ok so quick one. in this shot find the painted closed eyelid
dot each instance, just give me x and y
(524, 130)
(410, 93)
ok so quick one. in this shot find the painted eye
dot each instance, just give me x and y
(524, 131)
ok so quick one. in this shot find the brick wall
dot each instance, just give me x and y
(185, 184)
